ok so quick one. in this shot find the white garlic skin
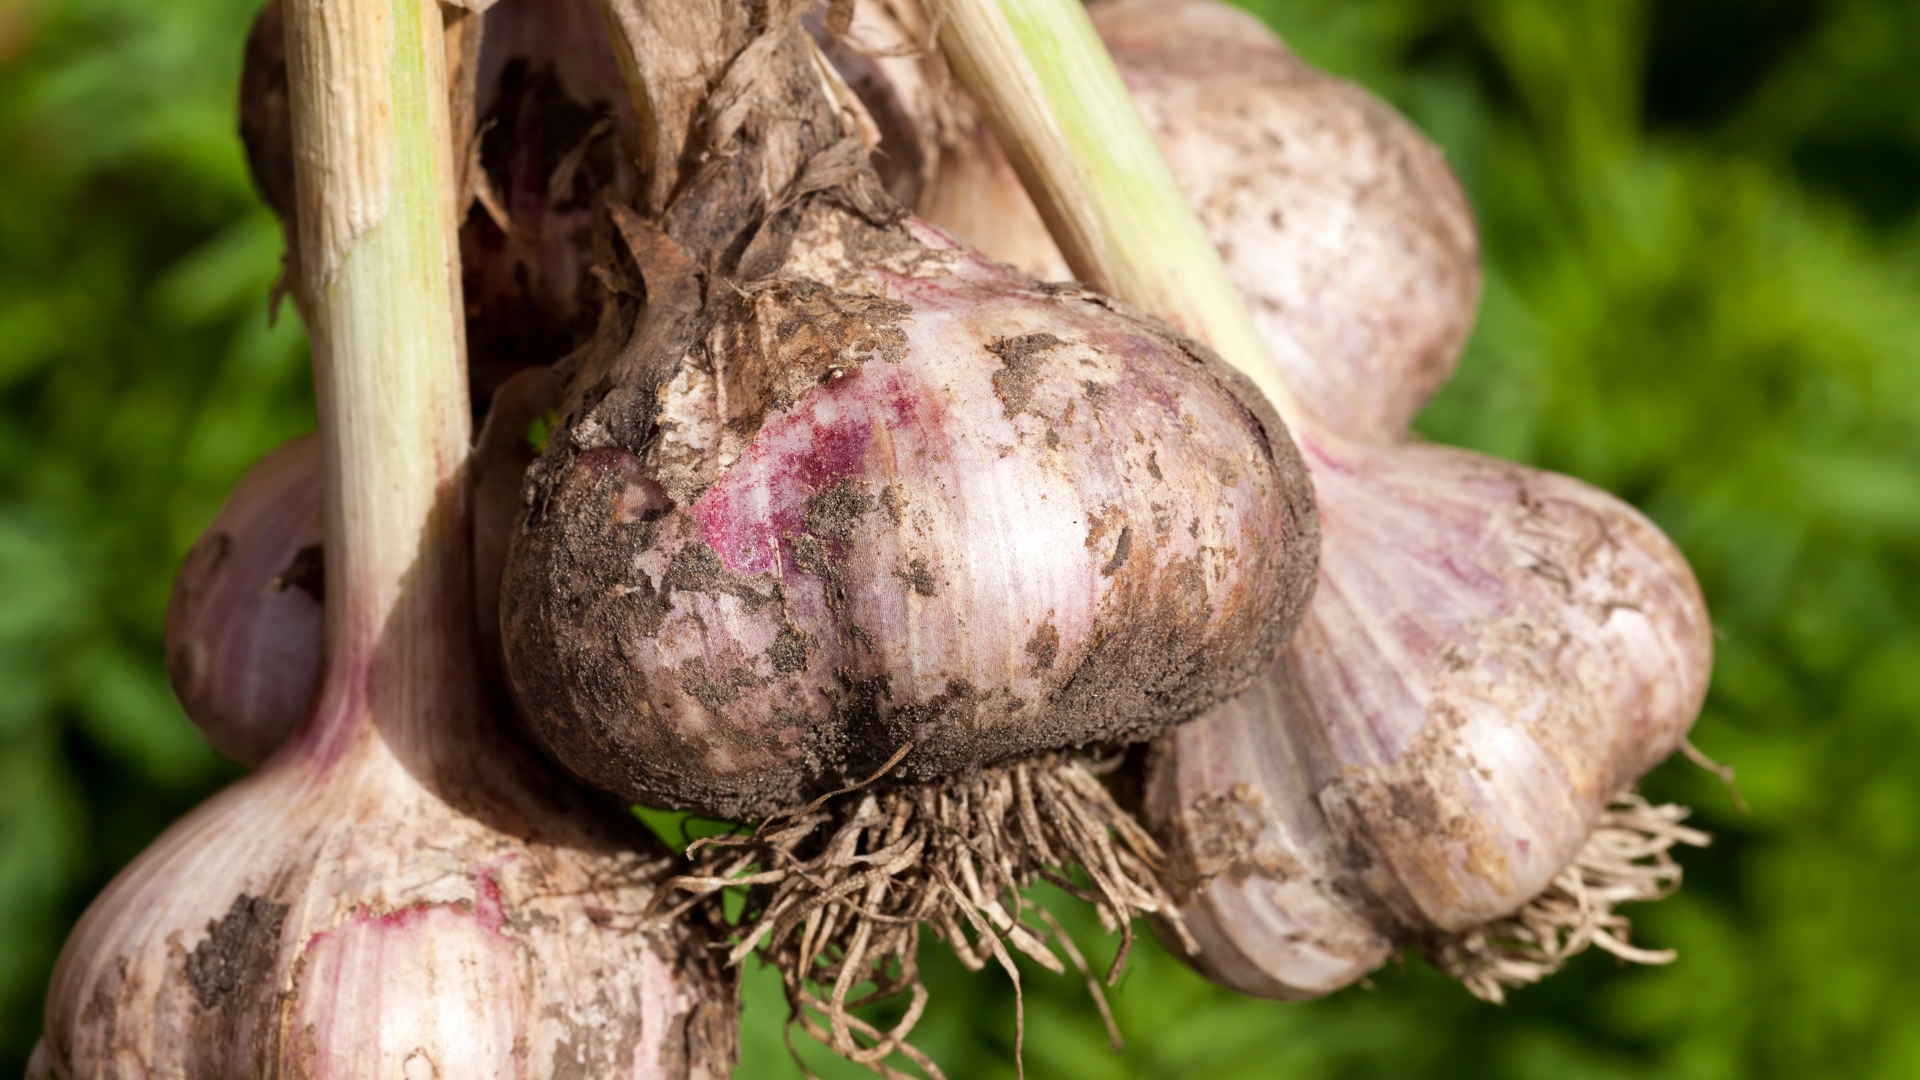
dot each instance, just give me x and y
(1339, 222)
(1254, 856)
(1491, 653)
(244, 621)
(1341, 225)
(335, 916)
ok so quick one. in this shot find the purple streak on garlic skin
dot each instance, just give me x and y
(1015, 520)
(244, 621)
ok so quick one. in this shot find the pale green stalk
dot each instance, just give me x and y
(1057, 104)
(380, 287)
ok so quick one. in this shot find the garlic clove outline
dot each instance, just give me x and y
(1458, 718)
(243, 635)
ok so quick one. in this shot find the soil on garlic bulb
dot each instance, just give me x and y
(878, 492)
(1445, 752)
(1341, 225)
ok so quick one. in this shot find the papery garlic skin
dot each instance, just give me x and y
(1254, 857)
(1341, 225)
(914, 500)
(244, 621)
(1492, 653)
(336, 916)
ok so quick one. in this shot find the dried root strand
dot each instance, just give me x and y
(1626, 859)
(839, 892)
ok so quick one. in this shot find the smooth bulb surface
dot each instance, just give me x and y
(244, 636)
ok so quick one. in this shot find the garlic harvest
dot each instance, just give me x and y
(1492, 652)
(243, 627)
(1340, 224)
(400, 891)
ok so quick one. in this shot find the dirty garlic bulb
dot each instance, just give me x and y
(401, 890)
(243, 626)
(1492, 657)
(918, 500)
(1442, 754)
(1341, 225)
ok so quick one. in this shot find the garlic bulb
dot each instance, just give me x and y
(913, 500)
(1444, 739)
(243, 631)
(400, 890)
(243, 627)
(1340, 224)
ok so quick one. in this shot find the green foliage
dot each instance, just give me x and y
(1703, 292)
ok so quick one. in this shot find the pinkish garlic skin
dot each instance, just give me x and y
(335, 916)
(1261, 867)
(1492, 652)
(995, 518)
(244, 620)
(1342, 226)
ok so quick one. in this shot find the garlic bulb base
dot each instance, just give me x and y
(855, 875)
(1626, 859)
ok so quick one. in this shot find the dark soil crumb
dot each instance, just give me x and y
(917, 576)
(240, 946)
(1013, 384)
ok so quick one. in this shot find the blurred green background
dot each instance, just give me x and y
(1703, 293)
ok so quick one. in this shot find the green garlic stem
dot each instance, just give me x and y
(374, 174)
